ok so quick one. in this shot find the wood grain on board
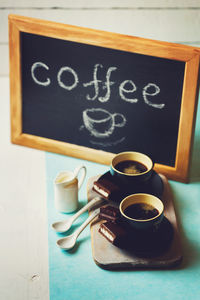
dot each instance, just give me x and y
(108, 256)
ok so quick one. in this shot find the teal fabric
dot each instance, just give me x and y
(74, 275)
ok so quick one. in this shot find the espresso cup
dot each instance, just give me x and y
(131, 167)
(142, 211)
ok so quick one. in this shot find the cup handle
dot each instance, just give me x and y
(123, 120)
(76, 172)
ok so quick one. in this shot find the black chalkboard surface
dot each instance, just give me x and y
(81, 101)
(103, 98)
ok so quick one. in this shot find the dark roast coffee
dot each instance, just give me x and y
(130, 167)
(141, 211)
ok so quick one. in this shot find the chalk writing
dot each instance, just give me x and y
(101, 123)
(108, 144)
(122, 90)
(145, 94)
(67, 69)
(33, 68)
(125, 88)
(95, 82)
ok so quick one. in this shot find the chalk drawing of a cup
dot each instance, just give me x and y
(101, 123)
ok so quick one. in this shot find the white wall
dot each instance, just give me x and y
(166, 20)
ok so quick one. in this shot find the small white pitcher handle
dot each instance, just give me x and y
(76, 172)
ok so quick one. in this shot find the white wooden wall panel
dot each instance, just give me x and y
(173, 25)
(23, 220)
(114, 4)
(4, 60)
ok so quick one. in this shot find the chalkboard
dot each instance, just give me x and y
(83, 96)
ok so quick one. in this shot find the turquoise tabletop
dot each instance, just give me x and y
(74, 275)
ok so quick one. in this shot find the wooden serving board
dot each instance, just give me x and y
(108, 256)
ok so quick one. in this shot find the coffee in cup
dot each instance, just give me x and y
(132, 167)
(142, 211)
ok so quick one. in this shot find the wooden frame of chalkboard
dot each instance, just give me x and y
(156, 59)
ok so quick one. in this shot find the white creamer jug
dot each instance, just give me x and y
(66, 186)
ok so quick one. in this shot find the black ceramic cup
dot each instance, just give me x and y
(142, 211)
(131, 167)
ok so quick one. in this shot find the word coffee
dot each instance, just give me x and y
(126, 88)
